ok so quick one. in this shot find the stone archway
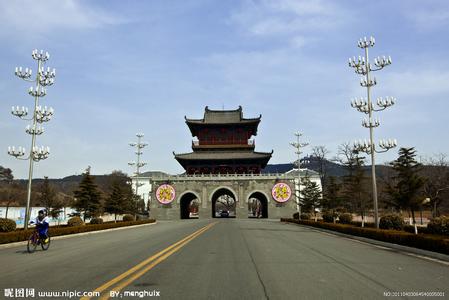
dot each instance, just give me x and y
(257, 205)
(188, 206)
(223, 199)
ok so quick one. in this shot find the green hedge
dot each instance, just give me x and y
(436, 243)
(23, 235)
(421, 229)
(367, 224)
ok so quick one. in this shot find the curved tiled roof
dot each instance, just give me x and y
(223, 117)
(224, 155)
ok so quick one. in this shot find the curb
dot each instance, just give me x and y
(426, 254)
(61, 237)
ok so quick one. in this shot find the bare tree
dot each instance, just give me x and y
(436, 186)
(354, 181)
(6, 174)
(227, 202)
(320, 153)
(46, 195)
(12, 193)
(345, 153)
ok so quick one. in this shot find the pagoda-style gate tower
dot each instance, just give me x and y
(224, 144)
(223, 164)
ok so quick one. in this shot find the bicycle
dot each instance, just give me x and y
(34, 240)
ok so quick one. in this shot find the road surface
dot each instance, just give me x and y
(219, 259)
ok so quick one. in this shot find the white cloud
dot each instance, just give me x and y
(299, 41)
(42, 16)
(427, 18)
(425, 83)
(274, 17)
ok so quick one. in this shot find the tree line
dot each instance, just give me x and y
(405, 185)
(115, 196)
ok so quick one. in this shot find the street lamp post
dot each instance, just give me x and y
(139, 146)
(44, 78)
(298, 145)
(362, 66)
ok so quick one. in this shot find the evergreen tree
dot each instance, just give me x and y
(310, 195)
(332, 199)
(87, 197)
(115, 202)
(121, 199)
(406, 192)
(131, 202)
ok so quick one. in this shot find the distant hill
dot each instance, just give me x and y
(277, 168)
(312, 163)
(69, 184)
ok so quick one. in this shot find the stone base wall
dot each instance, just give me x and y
(207, 189)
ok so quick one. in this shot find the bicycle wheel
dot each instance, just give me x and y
(45, 245)
(32, 243)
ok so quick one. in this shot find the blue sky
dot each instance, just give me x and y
(141, 66)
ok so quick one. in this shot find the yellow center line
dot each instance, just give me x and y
(139, 266)
(137, 275)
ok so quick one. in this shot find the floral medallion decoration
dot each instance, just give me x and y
(165, 194)
(281, 192)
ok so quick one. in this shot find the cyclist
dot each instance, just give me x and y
(42, 222)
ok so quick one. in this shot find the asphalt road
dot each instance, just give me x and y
(233, 259)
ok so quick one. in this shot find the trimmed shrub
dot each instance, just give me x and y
(75, 221)
(296, 215)
(128, 218)
(305, 217)
(7, 225)
(23, 235)
(391, 221)
(328, 217)
(345, 218)
(439, 225)
(96, 221)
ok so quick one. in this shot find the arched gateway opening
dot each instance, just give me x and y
(223, 204)
(189, 205)
(257, 205)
